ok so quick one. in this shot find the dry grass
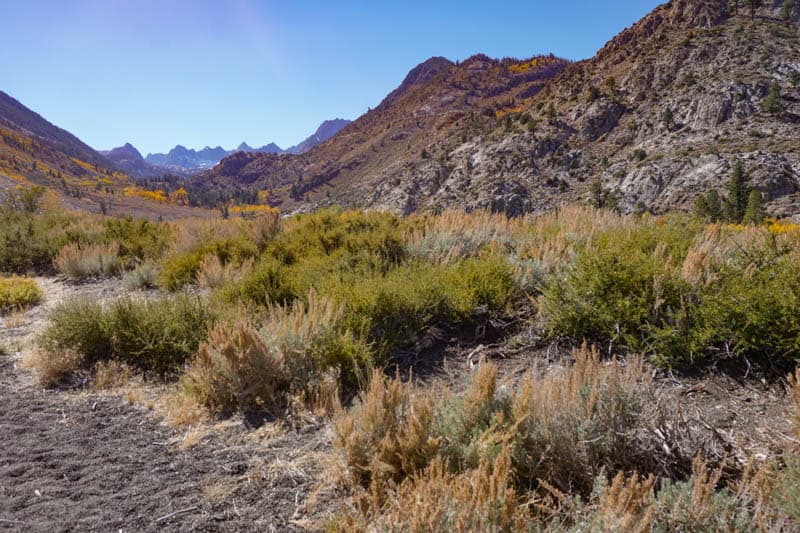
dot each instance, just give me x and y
(80, 262)
(111, 375)
(52, 370)
(242, 366)
(213, 273)
(483, 499)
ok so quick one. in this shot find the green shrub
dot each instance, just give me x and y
(29, 242)
(180, 269)
(392, 309)
(753, 313)
(138, 239)
(19, 293)
(619, 288)
(329, 231)
(267, 283)
(152, 335)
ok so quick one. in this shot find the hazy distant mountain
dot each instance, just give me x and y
(128, 159)
(328, 129)
(184, 160)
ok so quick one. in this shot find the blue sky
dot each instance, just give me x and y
(162, 72)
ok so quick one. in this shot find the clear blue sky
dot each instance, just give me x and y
(162, 72)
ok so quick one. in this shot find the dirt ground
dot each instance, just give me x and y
(101, 461)
(80, 461)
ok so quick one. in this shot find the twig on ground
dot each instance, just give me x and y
(180, 511)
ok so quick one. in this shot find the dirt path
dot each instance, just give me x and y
(94, 462)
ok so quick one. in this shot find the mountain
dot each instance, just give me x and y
(17, 118)
(327, 129)
(186, 161)
(128, 159)
(35, 152)
(437, 104)
(657, 116)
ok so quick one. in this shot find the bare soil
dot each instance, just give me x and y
(81, 461)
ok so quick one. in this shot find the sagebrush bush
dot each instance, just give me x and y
(213, 273)
(563, 428)
(483, 499)
(18, 293)
(142, 277)
(152, 335)
(243, 366)
(81, 262)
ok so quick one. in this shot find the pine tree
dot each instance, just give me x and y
(773, 104)
(786, 9)
(736, 202)
(708, 206)
(713, 205)
(700, 208)
(669, 119)
(754, 213)
(753, 5)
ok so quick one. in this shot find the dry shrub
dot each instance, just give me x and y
(142, 277)
(264, 227)
(552, 239)
(235, 368)
(243, 367)
(52, 369)
(213, 273)
(572, 424)
(111, 375)
(455, 235)
(564, 428)
(483, 499)
(80, 262)
(388, 433)
(744, 249)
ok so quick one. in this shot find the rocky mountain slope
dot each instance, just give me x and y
(438, 104)
(35, 152)
(128, 159)
(657, 116)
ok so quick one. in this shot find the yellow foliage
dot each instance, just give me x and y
(536, 62)
(156, 196)
(502, 112)
(252, 210)
(180, 197)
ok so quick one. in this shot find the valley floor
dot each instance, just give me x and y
(100, 461)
